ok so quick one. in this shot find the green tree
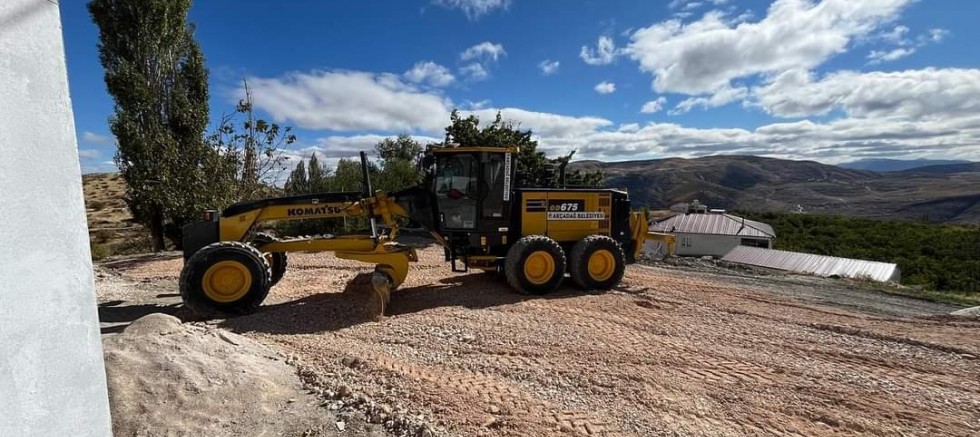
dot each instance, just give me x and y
(347, 176)
(317, 175)
(298, 182)
(154, 70)
(399, 163)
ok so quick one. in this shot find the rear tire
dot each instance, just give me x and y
(225, 278)
(277, 260)
(535, 264)
(597, 262)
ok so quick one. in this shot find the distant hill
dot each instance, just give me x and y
(886, 165)
(938, 193)
(110, 224)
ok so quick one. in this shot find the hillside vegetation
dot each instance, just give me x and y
(110, 224)
(939, 257)
(942, 193)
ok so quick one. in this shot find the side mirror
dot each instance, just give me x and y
(428, 161)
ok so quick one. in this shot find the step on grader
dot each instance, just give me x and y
(467, 201)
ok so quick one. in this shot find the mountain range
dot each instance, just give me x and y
(886, 165)
(942, 193)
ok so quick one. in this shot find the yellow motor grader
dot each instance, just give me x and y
(468, 201)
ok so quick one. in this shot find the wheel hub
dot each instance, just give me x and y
(227, 281)
(602, 265)
(539, 267)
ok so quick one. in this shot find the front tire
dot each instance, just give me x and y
(535, 264)
(597, 263)
(225, 278)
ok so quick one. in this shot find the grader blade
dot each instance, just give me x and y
(381, 284)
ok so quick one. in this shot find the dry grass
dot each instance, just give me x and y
(110, 225)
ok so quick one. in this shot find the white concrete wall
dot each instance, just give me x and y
(706, 245)
(52, 377)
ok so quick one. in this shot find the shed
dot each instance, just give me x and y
(819, 265)
(713, 233)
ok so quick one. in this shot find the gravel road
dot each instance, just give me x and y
(671, 352)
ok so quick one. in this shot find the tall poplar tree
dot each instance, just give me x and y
(155, 72)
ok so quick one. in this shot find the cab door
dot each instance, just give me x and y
(457, 190)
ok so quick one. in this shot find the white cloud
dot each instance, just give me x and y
(482, 56)
(879, 56)
(475, 71)
(692, 4)
(897, 36)
(604, 53)
(546, 124)
(480, 104)
(605, 88)
(912, 94)
(88, 153)
(829, 142)
(474, 9)
(903, 46)
(94, 138)
(630, 127)
(431, 73)
(349, 100)
(484, 51)
(833, 141)
(654, 106)
(719, 98)
(548, 67)
(707, 55)
(937, 35)
(102, 167)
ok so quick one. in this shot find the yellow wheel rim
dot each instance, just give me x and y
(539, 267)
(602, 265)
(227, 281)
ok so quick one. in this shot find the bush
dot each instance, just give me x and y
(937, 256)
(101, 251)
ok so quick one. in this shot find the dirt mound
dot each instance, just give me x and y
(168, 378)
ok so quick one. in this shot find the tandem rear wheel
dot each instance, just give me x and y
(535, 264)
(229, 278)
(597, 262)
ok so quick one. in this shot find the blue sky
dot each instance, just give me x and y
(830, 80)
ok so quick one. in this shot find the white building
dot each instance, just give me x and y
(703, 232)
(52, 377)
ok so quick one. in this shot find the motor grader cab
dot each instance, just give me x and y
(468, 201)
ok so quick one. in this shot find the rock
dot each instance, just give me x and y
(341, 426)
(230, 338)
(969, 312)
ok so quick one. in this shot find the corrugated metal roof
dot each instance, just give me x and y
(717, 224)
(808, 263)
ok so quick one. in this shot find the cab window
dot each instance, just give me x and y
(457, 190)
(493, 177)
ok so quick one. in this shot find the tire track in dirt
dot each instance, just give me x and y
(501, 397)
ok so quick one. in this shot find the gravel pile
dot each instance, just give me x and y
(168, 378)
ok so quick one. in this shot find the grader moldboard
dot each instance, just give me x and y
(467, 201)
